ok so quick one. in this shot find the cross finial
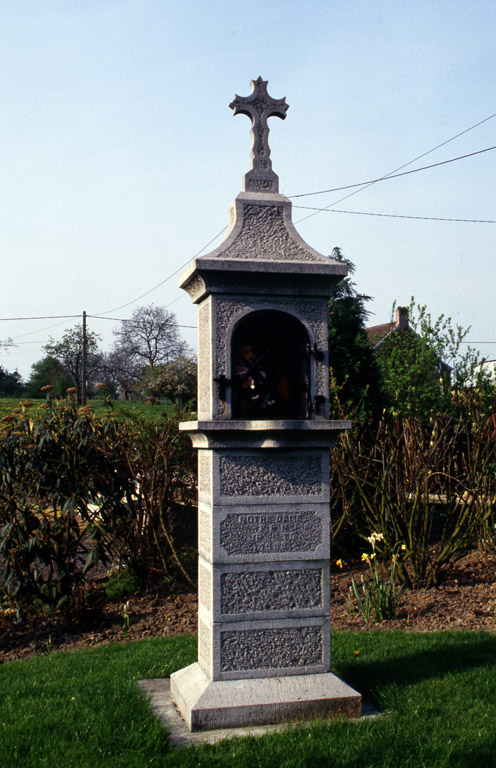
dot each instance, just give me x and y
(259, 106)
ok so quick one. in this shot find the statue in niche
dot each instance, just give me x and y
(270, 367)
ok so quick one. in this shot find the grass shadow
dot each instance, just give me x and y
(380, 659)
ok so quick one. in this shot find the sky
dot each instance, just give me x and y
(119, 155)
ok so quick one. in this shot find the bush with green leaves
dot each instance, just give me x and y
(156, 534)
(77, 489)
(430, 489)
(59, 482)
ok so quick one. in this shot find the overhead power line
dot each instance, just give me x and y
(116, 309)
(393, 176)
(397, 215)
(53, 317)
(400, 168)
(358, 188)
(127, 319)
(42, 317)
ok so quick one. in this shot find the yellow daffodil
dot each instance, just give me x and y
(374, 538)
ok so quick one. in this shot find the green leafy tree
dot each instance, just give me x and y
(354, 371)
(11, 384)
(425, 367)
(48, 372)
(69, 352)
(176, 380)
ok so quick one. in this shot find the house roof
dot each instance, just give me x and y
(377, 333)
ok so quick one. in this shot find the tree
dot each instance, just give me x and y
(176, 380)
(150, 337)
(11, 384)
(48, 371)
(413, 382)
(69, 352)
(424, 366)
(355, 374)
(118, 375)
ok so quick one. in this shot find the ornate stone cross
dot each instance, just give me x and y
(259, 106)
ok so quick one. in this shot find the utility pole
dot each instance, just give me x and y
(83, 362)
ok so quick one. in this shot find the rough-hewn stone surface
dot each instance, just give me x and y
(272, 475)
(270, 532)
(264, 233)
(278, 648)
(205, 532)
(204, 359)
(284, 590)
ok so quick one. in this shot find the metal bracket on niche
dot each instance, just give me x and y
(223, 382)
(316, 352)
(318, 403)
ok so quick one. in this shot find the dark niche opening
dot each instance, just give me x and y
(270, 367)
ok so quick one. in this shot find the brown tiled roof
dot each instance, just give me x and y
(377, 332)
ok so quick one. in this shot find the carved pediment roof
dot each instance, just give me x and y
(262, 230)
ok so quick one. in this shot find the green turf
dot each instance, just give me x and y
(82, 709)
(120, 407)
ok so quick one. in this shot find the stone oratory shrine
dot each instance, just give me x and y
(263, 435)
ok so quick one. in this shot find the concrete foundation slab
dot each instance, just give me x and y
(209, 705)
(158, 694)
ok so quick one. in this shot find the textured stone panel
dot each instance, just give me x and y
(270, 532)
(267, 475)
(287, 590)
(287, 648)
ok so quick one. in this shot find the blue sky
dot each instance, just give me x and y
(119, 155)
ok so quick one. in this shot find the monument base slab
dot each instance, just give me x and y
(208, 705)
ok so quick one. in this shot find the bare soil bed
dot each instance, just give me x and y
(465, 600)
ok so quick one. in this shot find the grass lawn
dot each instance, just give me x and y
(120, 407)
(82, 709)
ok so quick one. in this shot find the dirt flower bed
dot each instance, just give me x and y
(466, 600)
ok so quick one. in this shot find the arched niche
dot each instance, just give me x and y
(270, 367)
